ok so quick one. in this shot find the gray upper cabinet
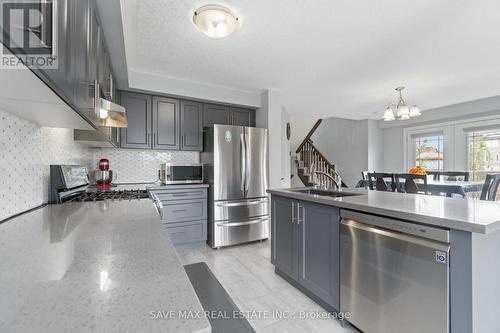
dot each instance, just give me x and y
(242, 117)
(62, 75)
(215, 114)
(284, 249)
(138, 132)
(191, 126)
(225, 115)
(319, 251)
(166, 123)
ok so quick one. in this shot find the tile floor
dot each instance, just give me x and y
(246, 272)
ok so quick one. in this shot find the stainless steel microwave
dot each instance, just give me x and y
(181, 173)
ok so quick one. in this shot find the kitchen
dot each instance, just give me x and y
(147, 187)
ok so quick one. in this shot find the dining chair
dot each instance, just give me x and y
(453, 175)
(377, 181)
(490, 187)
(410, 186)
(435, 174)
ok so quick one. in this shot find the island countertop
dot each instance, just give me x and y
(103, 266)
(469, 215)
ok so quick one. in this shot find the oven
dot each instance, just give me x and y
(181, 173)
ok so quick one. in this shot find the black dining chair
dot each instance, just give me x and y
(410, 186)
(453, 175)
(490, 187)
(378, 181)
(435, 174)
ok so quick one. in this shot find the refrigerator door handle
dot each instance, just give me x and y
(243, 166)
(247, 162)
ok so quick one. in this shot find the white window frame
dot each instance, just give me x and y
(409, 148)
(455, 140)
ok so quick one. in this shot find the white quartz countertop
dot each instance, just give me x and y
(470, 215)
(93, 267)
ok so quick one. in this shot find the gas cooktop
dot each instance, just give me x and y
(108, 195)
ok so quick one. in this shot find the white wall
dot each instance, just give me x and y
(271, 105)
(345, 143)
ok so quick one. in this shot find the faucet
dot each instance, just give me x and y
(337, 180)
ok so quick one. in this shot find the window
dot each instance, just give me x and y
(483, 152)
(429, 151)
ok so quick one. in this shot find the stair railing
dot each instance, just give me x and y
(310, 155)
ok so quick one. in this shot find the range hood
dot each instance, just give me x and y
(111, 114)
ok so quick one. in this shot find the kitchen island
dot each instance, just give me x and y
(104, 266)
(317, 251)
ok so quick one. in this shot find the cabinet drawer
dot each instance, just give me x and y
(180, 194)
(184, 210)
(182, 233)
(229, 210)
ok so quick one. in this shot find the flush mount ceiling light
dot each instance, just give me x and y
(215, 21)
(400, 111)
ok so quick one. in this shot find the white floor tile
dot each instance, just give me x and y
(245, 271)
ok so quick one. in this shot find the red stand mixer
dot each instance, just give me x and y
(104, 176)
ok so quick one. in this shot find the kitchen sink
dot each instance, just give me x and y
(325, 193)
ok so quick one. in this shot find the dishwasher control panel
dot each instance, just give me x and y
(433, 233)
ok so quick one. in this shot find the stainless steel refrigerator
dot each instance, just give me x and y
(235, 162)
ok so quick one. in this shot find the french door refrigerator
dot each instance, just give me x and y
(235, 162)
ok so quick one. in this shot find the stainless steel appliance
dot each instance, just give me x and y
(235, 160)
(181, 173)
(69, 183)
(394, 275)
(104, 177)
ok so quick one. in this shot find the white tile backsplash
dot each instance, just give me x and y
(139, 165)
(26, 151)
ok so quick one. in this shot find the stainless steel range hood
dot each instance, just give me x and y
(111, 114)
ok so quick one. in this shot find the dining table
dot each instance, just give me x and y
(438, 187)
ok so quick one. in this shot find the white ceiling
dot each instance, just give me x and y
(328, 58)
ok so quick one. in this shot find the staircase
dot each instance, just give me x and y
(308, 154)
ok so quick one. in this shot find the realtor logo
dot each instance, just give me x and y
(28, 34)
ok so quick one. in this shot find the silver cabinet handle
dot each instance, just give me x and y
(244, 203)
(293, 211)
(154, 139)
(179, 210)
(298, 213)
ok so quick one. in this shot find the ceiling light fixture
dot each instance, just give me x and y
(215, 21)
(400, 111)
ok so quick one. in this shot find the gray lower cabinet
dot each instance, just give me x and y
(138, 132)
(284, 240)
(319, 251)
(305, 246)
(166, 123)
(191, 126)
(184, 213)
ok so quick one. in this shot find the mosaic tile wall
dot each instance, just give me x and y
(26, 151)
(137, 165)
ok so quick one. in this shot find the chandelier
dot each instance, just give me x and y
(400, 111)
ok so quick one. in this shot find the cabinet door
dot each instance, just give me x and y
(215, 114)
(191, 126)
(104, 69)
(166, 123)
(284, 242)
(80, 31)
(93, 63)
(61, 76)
(242, 117)
(138, 132)
(319, 247)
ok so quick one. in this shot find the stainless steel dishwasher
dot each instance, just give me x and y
(394, 275)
